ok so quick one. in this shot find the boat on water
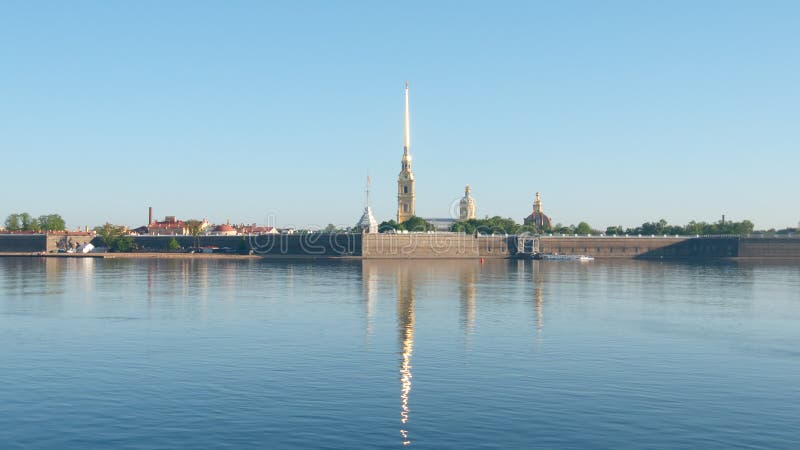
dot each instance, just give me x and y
(557, 257)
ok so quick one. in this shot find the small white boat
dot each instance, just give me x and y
(548, 257)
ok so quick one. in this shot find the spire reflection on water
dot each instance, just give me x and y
(405, 326)
(450, 288)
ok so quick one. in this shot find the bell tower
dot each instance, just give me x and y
(405, 181)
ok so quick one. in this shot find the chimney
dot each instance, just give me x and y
(149, 215)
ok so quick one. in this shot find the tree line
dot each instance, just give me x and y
(693, 227)
(26, 222)
(413, 223)
(115, 237)
(504, 225)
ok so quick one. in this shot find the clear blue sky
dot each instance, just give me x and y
(618, 112)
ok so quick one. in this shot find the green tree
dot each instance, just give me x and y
(173, 245)
(114, 237)
(745, 227)
(109, 234)
(415, 223)
(51, 222)
(693, 228)
(27, 222)
(532, 229)
(387, 225)
(493, 225)
(583, 228)
(562, 229)
(194, 227)
(13, 222)
(125, 244)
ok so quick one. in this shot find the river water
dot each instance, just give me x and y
(200, 354)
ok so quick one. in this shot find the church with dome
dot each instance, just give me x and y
(538, 218)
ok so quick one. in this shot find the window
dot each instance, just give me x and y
(405, 207)
(405, 189)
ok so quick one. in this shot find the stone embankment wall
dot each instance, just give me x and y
(641, 247)
(439, 245)
(65, 241)
(288, 245)
(769, 248)
(31, 243)
(23, 243)
(434, 245)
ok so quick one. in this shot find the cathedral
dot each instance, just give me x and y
(538, 217)
(405, 180)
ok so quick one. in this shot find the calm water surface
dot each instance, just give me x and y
(152, 354)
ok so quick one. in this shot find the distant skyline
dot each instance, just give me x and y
(618, 112)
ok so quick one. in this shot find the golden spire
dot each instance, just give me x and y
(406, 126)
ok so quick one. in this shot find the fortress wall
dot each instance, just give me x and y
(315, 244)
(615, 247)
(58, 241)
(159, 243)
(23, 243)
(495, 246)
(27, 243)
(323, 245)
(769, 248)
(643, 247)
(443, 245)
(434, 245)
